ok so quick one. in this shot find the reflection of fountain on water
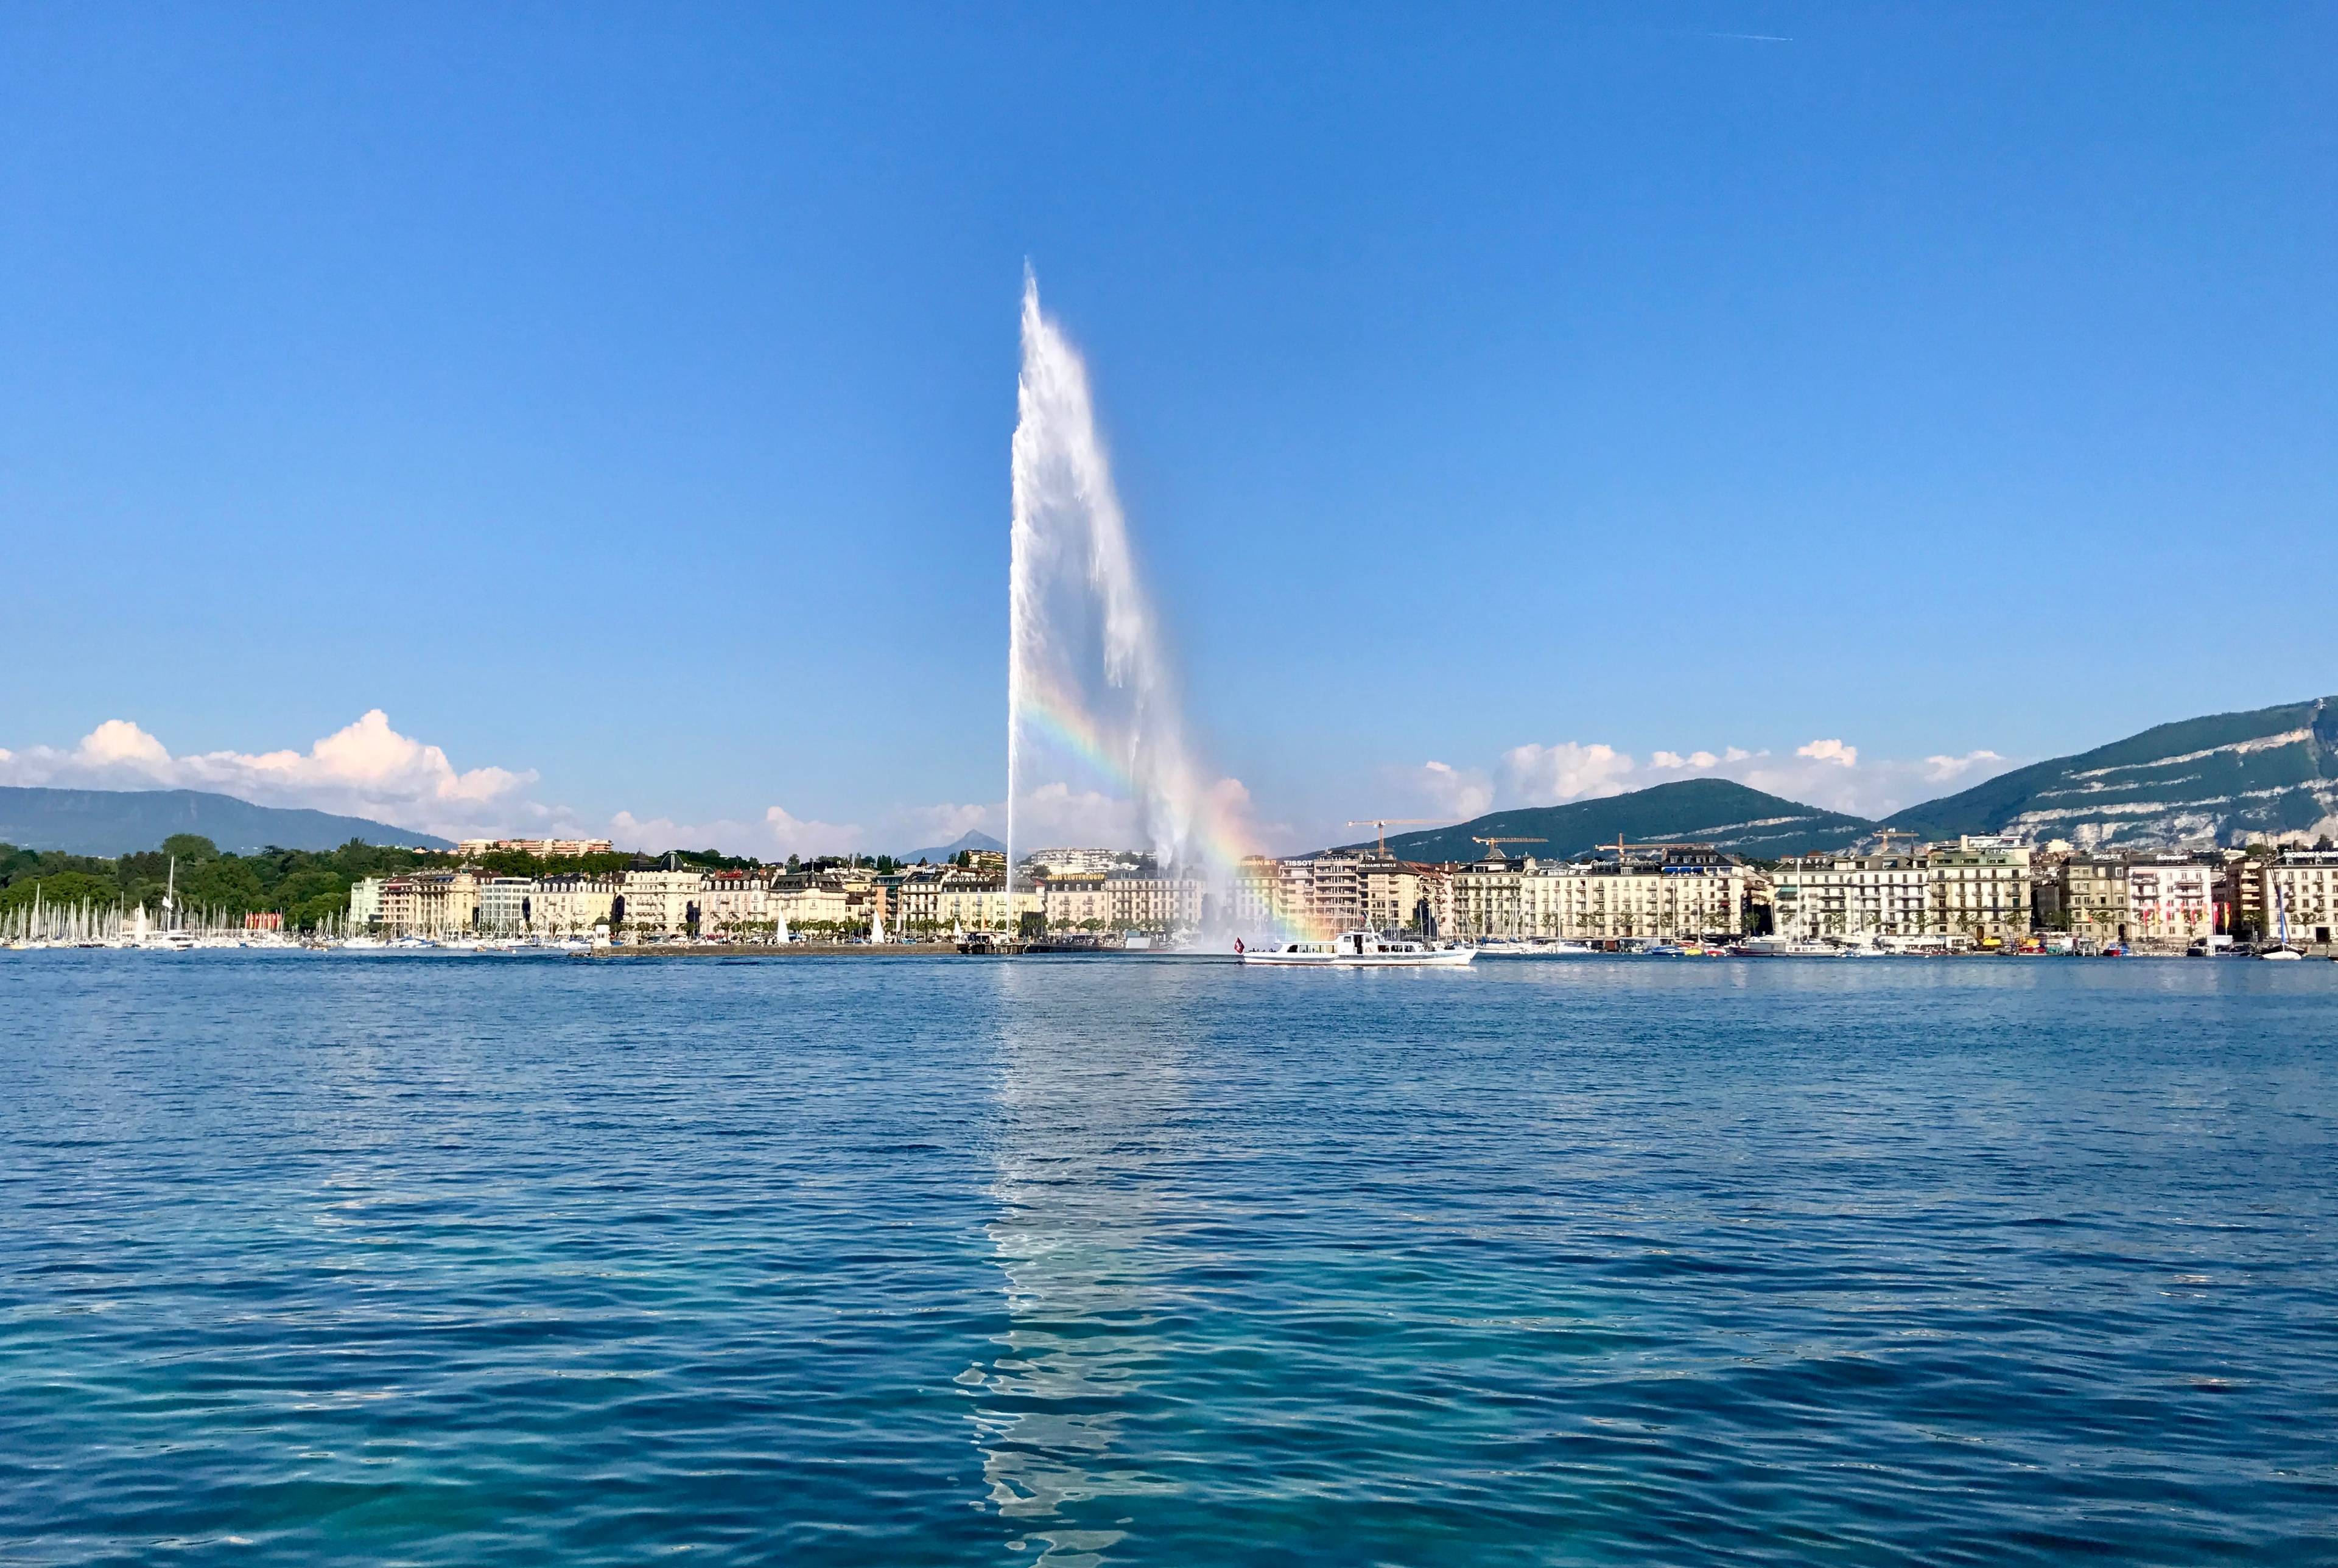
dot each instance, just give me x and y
(1087, 676)
(1080, 1228)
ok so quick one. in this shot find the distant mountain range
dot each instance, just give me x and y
(2224, 779)
(112, 822)
(970, 840)
(1716, 812)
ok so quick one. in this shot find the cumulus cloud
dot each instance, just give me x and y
(1446, 790)
(1833, 751)
(366, 768)
(1537, 775)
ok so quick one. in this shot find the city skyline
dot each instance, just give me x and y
(609, 438)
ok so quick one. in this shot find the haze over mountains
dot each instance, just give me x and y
(112, 822)
(2222, 779)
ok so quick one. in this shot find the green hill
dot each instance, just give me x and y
(2226, 777)
(1715, 811)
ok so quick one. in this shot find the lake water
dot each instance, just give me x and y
(477, 1261)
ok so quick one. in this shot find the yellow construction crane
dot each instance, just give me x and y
(1382, 823)
(1494, 846)
(1884, 836)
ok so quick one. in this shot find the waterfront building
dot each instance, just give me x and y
(1249, 900)
(2302, 885)
(736, 903)
(1151, 901)
(504, 903)
(572, 905)
(1980, 887)
(2092, 898)
(1975, 890)
(365, 903)
(662, 903)
(1074, 903)
(2171, 899)
(2240, 891)
(1672, 891)
(812, 899)
(1399, 895)
(430, 903)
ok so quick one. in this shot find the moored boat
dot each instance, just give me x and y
(1360, 950)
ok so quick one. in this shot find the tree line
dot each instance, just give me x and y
(304, 885)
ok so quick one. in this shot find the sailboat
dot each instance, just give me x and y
(2281, 914)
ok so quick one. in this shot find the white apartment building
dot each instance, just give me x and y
(1677, 893)
(504, 903)
(811, 898)
(1981, 887)
(430, 903)
(542, 849)
(1074, 863)
(661, 903)
(1161, 903)
(571, 906)
(1322, 894)
(1974, 891)
(2171, 899)
(365, 903)
(738, 903)
(2301, 886)
(1249, 900)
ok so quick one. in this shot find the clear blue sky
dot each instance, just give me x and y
(622, 393)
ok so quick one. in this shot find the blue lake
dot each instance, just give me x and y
(477, 1261)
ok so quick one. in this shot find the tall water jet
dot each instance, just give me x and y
(1086, 663)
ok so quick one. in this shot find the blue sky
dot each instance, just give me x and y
(618, 399)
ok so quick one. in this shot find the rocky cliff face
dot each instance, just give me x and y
(2229, 777)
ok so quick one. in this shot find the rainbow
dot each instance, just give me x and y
(1051, 715)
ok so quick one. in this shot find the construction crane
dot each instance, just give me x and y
(1494, 846)
(1884, 836)
(1382, 823)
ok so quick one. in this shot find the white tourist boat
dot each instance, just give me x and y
(1787, 947)
(1361, 950)
(1530, 947)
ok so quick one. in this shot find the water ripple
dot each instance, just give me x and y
(336, 1261)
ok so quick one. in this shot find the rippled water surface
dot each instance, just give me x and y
(479, 1260)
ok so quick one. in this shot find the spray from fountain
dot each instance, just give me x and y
(1086, 673)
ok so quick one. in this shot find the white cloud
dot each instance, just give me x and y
(948, 822)
(1446, 790)
(1833, 751)
(1827, 772)
(1534, 774)
(365, 770)
(1943, 770)
(777, 836)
